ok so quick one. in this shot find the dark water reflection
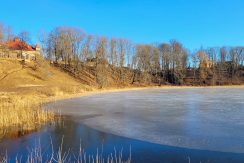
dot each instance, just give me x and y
(76, 135)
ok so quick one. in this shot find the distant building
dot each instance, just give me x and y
(205, 61)
(207, 64)
(18, 49)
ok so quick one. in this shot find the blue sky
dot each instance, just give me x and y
(195, 23)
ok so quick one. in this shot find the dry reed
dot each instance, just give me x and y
(36, 155)
(19, 114)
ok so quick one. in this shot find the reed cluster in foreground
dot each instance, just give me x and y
(20, 115)
(36, 155)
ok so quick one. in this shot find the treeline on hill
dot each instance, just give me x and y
(110, 61)
(104, 61)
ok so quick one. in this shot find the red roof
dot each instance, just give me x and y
(17, 44)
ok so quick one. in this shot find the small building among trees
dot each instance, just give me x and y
(17, 49)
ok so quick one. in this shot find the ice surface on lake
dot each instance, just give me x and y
(198, 118)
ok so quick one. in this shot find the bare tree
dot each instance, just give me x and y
(143, 53)
(101, 62)
(165, 60)
(1, 33)
(195, 63)
(223, 54)
(43, 39)
(9, 33)
(24, 37)
(113, 56)
(155, 64)
(86, 50)
(121, 52)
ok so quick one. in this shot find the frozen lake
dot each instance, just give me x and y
(196, 118)
(159, 125)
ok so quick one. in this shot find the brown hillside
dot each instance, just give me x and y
(16, 76)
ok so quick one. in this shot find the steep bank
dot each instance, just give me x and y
(24, 86)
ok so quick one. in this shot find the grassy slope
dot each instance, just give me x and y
(23, 87)
(36, 77)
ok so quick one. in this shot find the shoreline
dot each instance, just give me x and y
(113, 90)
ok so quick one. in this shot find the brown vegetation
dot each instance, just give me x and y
(18, 115)
(24, 87)
(106, 62)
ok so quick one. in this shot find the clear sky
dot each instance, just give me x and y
(193, 22)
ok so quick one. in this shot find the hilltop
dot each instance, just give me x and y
(36, 77)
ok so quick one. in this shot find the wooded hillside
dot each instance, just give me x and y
(104, 62)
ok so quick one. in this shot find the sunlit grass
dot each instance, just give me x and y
(19, 115)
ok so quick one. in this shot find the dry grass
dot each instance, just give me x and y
(20, 114)
(23, 88)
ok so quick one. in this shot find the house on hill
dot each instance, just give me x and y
(18, 49)
(205, 62)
